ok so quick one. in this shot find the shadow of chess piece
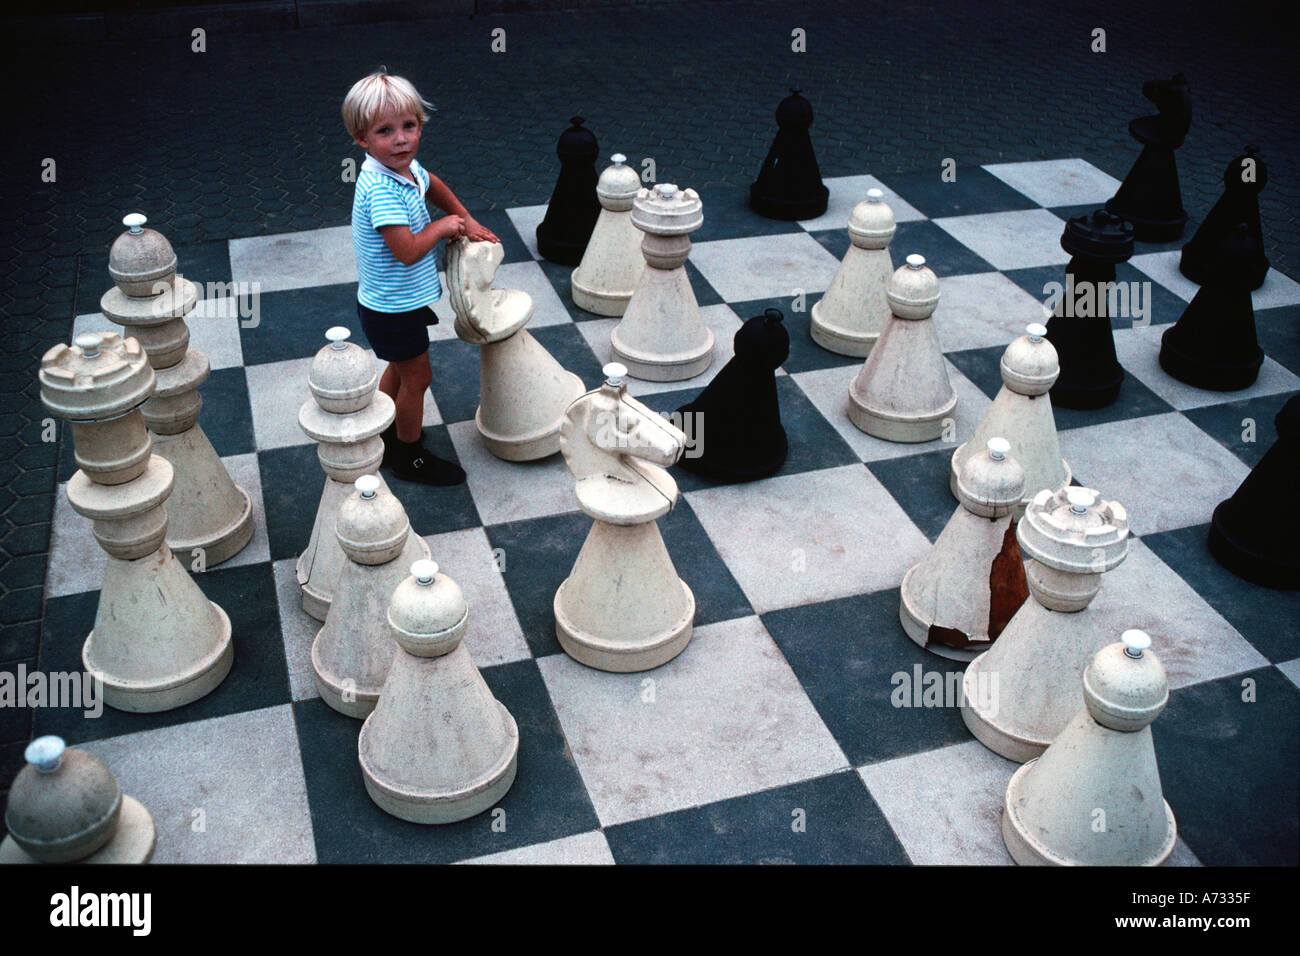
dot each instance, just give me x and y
(1149, 197)
(789, 186)
(735, 423)
(1243, 181)
(572, 212)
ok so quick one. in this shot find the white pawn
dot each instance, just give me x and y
(957, 600)
(612, 265)
(1022, 410)
(1094, 797)
(902, 393)
(851, 315)
(438, 747)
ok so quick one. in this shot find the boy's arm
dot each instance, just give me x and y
(441, 196)
(410, 247)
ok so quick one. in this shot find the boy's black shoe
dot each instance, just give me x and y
(413, 462)
(389, 435)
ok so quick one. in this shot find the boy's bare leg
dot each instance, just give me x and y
(413, 377)
(389, 381)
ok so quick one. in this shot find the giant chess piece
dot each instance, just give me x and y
(1023, 411)
(1243, 181)
(902, 393)
(438, 747)
(351, 653)
(158, 643)
(1091, 375)
(1213, 344)
(209, 516)
(523, 390)
(1149, 196)
(623, 607)
(346, 415)
(1102, 767)
(66, 806)
(662, 337)
(571, 215)
(789, 186)
(604, 281)
(736, 421)
(1255, 534)
(1021, 692)
(849, 318)
(958, 599)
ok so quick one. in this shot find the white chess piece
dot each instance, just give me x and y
(849, 318)
(612, 263)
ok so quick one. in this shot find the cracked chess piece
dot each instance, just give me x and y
(157, 642)
(902, 393)
(849, 318)
(438, 747)
(958, 599)
(1243, 181)
(523, 390)
(1094, 797)
(623, 607)
(571, 215)
(209, 517)
(789, 186)
(604, 281)
(1149, 196)
(66, 806)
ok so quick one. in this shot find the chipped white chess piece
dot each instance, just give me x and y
(849, 318)
(66, 806)
(523, 390)
(346, 415)
(662, 337)
(438, 747)
(1021, 692)
(210, 518)
(351, 653)
(1022, 412)
(1094, 797)
(157, 643)
(902, 393)
(612, 264)
(958, 599)
(623, 607)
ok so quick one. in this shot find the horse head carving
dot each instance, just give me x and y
(483, 314)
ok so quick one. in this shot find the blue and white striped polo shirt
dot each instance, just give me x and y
(383, 198)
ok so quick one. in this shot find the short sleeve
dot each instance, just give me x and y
(386, 207)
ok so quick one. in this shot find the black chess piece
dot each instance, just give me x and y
(1255, 534)
(1243, 181)
(789, 186)
(1213, 343)
(574, 207)
(736, 421)
(1091, 375)
(1149, 196)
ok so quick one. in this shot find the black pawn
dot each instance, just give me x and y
(1091, 375)
(789, 186)
(1149, 197)
(736, 420)
(1243, 181)
(1213, 343)
(572, 212)
(1255, 534)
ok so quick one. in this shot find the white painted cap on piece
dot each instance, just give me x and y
(1135, 642)
(135, 222)
(1080, 499)
(615, 373)
(875, 195)
(367, 485)
(46, 753)
(338, 336)
(1036, 331)
(618, 159)
(998, 448)
(89, 343)
(424, 571)
(915, 260)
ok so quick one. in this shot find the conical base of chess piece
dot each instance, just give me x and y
(1091, 376)
(523, 394)
(1213, 345)
(902, 393)
(1202, 257)
(1149, 197)
(849, 318)
(789, 186)
(133, 843)
(206, 510)
(662, 337)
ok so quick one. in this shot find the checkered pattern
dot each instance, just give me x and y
(772, 737)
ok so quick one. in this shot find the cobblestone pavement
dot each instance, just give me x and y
(246, 139)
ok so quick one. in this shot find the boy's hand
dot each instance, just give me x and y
(477, 232)
(451, 227)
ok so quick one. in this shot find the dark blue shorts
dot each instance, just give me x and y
(397, 336)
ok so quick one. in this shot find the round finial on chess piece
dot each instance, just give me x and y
(618, 159)
(1135, 642)
(367, 485)
(666, 190)
(135, 222)
(1080, 499)
(998, 448)
(1036, 331)
(89, 343)
(338, 337)
(424, 571)
(46, 753)
(915, 261)
(875, 195)
(615, 373)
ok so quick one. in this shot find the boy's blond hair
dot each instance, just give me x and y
(379, 93)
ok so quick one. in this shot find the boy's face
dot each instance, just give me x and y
(393, 139)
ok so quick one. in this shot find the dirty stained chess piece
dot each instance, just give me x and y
(662, 337)
(1149, 196)
(849, 318)
(65, 806)
(352, 652)
(789, 185)
(902, 393)
(1022, 412)
(1021, 692)
(439, 747)
(612, 265)
(210, 518)
(571, 215)
(346, 415)
(958, 599)
(157, 642)
(1243, 181)
(734, 425)
(1101, 769)
(622, 607)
